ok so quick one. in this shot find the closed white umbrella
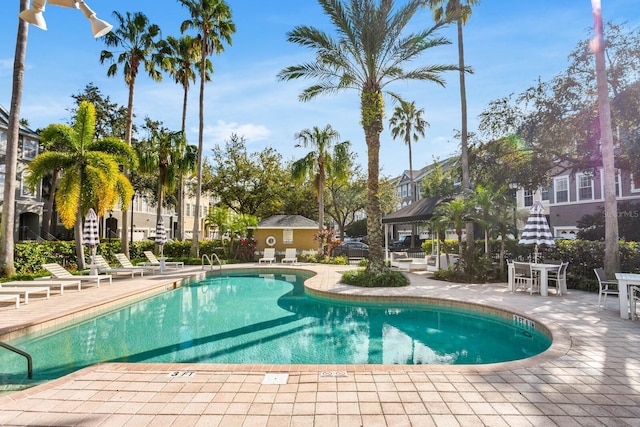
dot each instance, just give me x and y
(90, 234)
(161, 234)
(537, 232)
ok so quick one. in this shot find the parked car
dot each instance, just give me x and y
(405, 243)
(352, 250)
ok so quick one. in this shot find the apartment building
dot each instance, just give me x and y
(28, 205)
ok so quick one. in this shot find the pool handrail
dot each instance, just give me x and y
(21, 353)
(210, 260)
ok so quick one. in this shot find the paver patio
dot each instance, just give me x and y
(589, 377)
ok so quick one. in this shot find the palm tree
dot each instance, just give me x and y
(459, 11)
(320, 163)
(612, 244)
(369, 54)
(183, 56)
(11, 159)
(453, 214)
(212, 20)
(91, 177)
(407, 123)
(161, 155)
(141, 46)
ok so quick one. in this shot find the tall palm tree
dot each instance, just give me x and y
(453, 214)
(11, 159)
(407, 123)
(91, 177)
(183, 55)
(212, 20)
(370, 52)
(161, 155)
(611, 241)
(459, 11)
(141, 46)
(320, 162)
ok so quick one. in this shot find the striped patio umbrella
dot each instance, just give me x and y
(161, 234)
(90, 234)
(537, 232)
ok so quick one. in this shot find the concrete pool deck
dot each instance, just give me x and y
(589, 377)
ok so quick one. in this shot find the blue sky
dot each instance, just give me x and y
(509, 44)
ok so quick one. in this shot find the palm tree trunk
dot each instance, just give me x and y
(47, 217)
(11, 159)
(414, 197)
(124, 238)
(372, 110)
(77, 232)
(195, 247)
(612, 246)
(180, 228)
(464, 145)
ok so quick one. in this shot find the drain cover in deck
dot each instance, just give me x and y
(275, 378)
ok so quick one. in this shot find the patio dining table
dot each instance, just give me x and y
(625, 282)
(543, 272)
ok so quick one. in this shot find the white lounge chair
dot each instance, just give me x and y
(155, 262)
(11, 297)
(104, 267)
(50, 283)
(268, 256)
(125, 262)
(290, 255)
(60, 273)
(12, 288)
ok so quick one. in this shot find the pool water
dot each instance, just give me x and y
(267, 318)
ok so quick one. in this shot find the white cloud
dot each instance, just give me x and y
(222, 131)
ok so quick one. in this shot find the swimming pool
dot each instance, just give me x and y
(247, 317)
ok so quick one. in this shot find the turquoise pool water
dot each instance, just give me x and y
(246, 317)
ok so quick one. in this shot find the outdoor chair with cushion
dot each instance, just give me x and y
(104, 267)
(559, 278)
(126, 263)
(268, 256)
(155, 262)
(60, 273)
(290, 255)
(604, 287)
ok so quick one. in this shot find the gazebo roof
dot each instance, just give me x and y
(420, 211)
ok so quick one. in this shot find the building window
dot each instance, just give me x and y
(287, 236)
(585, 187)
(2, 181)
(635, 187)
(405, 190)
(188, 209)
(29, 148)
(24, 189)
(544, 193)
(3, 142)
(561, 188)
(618, 184)
(528, 198)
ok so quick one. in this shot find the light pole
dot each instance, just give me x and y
(100, 28)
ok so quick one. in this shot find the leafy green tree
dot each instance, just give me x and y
(91, 177)
(247, 183)
(140, 45)
(439, 182)
(407, 123)
(111, 118)
(459, 11)
(370, 52)
(346, 198)
(328, 158)
(212, 20)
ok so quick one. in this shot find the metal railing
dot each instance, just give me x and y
(21, 353)
(210, 260)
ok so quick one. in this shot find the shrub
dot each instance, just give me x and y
(387, 279)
